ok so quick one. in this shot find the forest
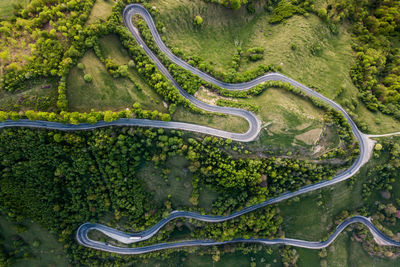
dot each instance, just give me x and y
(63, 179)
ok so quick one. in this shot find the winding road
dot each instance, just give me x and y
(366, 147)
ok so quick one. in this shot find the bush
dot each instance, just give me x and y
(255, 53)
(36, 243)
(284, 10)
(88, 78)
(316, 50)
(80, 66)
(198, 20)
(251, 8)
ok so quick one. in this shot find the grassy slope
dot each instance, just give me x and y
(113, 49)
(178, 184)
(261, 258)
(222, 28)
(101, 10)
(6, 7)
(50, 251)
(106, 92)
(304, 219)
(228, 123)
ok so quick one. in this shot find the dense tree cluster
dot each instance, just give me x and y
(233, 4)
(40, 34)
(64, 179)
(376, 25)
(18, 250)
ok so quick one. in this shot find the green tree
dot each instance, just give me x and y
(198, 20)
(88, 78)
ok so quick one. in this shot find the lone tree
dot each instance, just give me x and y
(88, 78)
(198, 20)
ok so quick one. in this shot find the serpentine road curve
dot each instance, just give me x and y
(366, 147)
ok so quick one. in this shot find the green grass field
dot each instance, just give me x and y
(49, 253)
(289, 121)
(197, 259)
(223, 30)
(6, 7)
(101, 10)
(38, 96)
(106, 92)
(178, 184)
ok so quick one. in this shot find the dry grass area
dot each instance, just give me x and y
(286, 111)
(288, 120)
(311, 137)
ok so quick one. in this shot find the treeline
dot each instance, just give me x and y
(228, 103)
(83, 117)
(384, 175)
(233, 4)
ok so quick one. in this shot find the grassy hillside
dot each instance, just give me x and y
(108, 93)
(288, 45)
(176, 185)
(289, 121)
